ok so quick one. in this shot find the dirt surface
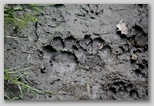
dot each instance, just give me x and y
(76, 53)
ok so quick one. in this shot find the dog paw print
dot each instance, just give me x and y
(53, 18)
(91, 11)
(66, 54)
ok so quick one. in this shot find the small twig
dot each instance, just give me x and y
(15, 37)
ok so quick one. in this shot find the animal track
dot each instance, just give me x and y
(91, 11)
(53, 18)
(75, 53)
(66, 54)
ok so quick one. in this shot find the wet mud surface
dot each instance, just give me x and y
(76, 53)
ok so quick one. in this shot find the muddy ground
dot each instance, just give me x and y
(75, 52)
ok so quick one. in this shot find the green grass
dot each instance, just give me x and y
(18, 16)
(13, 78)
(13, 19)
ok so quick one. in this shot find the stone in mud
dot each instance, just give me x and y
(133, 57)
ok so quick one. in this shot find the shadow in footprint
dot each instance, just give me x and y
(98, 44)
(86, 42)
(70, 42)
(48, 52)
(57, 43)
(49, 49)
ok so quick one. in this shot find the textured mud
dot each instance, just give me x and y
(76, 53)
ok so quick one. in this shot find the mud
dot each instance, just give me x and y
(76, 53)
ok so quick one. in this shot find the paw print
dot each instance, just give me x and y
(53, 18)
(66, 54)
(91, 11)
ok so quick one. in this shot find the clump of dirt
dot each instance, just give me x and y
(77, 53)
